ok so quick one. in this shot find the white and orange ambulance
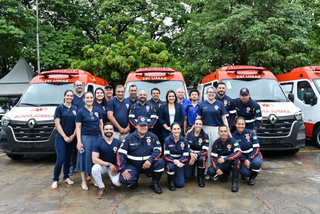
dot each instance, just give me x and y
(282, 127)
(28, 128)
(156, 77)
(302, 86)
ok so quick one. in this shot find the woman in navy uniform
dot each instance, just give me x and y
(176, 153)
(64, 118)
(89, 129)
(198, 142)
(251, 158)
(101, 103)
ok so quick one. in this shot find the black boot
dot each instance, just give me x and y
(135, 184)
(171, 185)
(225, 177)
(253, 175)
(155, 182)
(235, 179)
(200, 176)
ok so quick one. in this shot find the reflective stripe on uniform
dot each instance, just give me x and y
(138, 158)
(248, 151)
(176, 155)
(214, 154)
(255, 145)
(205, 147)
(122, 151)
(250, 121)
(185, 154)
(233, 111)
(166, 152)
(132, 115)
(237, 149)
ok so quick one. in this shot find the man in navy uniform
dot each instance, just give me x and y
(156, 102)
(249, 110)
(142, 108)
(227, 102)
(140, 153)
(225, 158)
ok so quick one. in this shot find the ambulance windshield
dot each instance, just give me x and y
(163, 86)
(261, 90)
(44, 94)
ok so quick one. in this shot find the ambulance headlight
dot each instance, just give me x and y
(298, 115)
(5, 121)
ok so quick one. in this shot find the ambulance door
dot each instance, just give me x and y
(309, 109)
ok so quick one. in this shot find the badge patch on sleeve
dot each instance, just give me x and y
(258, 111)
(255, 137)
(236, 144)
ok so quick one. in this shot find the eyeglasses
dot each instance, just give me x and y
(91, 115)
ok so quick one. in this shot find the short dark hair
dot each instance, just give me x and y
(194, 90)
(221, 126)
(240, 118)
(131, 86)
(155, 89)
(175, 123)
(107, 124)
(221, 83)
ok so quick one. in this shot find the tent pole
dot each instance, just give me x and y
(38, 49)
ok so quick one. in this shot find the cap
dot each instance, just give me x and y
(108, 86)
(244, 91)
(142, 121)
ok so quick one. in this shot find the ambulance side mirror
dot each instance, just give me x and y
(310, 98)
(291, 97)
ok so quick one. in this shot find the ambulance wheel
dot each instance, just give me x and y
(15, 157)
(316, 137)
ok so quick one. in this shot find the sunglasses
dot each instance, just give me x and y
(91, 115)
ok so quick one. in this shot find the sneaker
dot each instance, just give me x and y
(207, 177)
(71, 171)
(54, 185)
(215, 178)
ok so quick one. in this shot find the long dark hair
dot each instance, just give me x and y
(66, 93)
(104, 101)
(170, 91)
(201, 131)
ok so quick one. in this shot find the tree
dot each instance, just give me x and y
(15, 22)
(114, 57)
(274, 34)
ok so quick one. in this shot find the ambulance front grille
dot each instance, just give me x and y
(280, 129)
(41, 132)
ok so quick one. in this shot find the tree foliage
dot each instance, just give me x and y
(274, 34)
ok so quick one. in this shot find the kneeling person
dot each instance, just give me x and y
(104, 158)
(225, 158)
(140, 153)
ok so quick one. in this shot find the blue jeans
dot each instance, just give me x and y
(64, 151)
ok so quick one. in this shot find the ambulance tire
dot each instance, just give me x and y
(316, 137)
(15, 157)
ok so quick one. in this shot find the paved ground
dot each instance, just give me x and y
(287, 184)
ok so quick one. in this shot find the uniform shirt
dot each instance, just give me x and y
(191, 113)
(120, 111)
(199, 144)
(179, 150)
(228, 103)
(67, 118)
(156, 128)
(136, 150)
(78, 101)
(107, 152)
(89, 121)
(145, 110)
(131, 102)
(249, 144)
(184, 103)
(103, 111)
(229, 151)
(211, 113)
(251, 112)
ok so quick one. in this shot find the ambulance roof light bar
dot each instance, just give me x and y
(163, 70)
(70, 73)
(245, 69)
(316, 69)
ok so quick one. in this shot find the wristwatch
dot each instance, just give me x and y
(109, 164)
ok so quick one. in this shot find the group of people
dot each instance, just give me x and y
(125, 137)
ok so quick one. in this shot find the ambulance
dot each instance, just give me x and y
(282, 127)
(302, 86)
(162, 78)
(28, 128)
